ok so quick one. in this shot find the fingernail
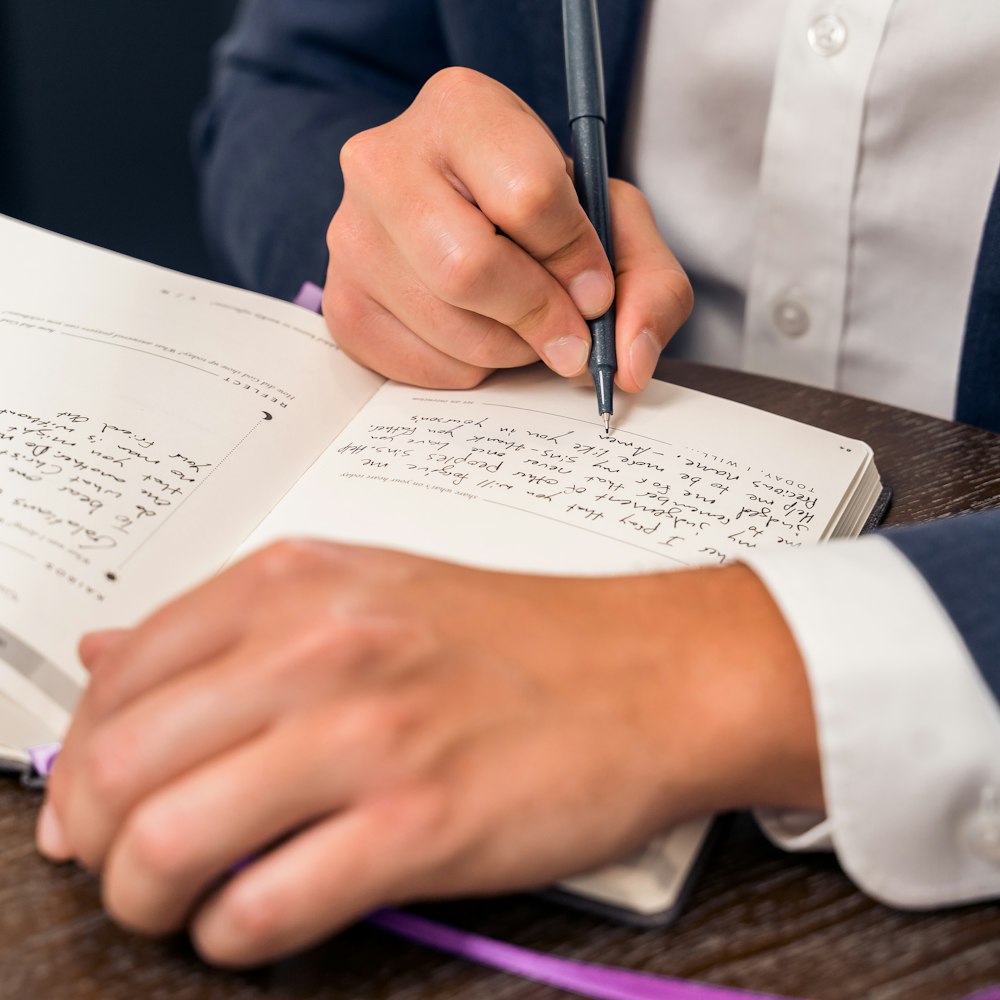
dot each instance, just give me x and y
(566, 355)
(592, 293)
(643, 357)
(49, 837)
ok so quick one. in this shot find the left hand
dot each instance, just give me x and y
(371, 728)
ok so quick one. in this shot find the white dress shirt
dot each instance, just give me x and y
(823, 170)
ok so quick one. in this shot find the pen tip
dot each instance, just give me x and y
(607, 423)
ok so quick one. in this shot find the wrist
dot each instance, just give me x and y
(734, 704)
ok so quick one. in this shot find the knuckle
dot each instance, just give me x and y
(353, 319)
(627, 194)
(345, 312)
(360, 155)
(354, 241)
(158, 840)
(577, 243)
(283, 558)
(496, 347)
(255, 915)
(338, 234)
(535, 317)
(394, 724)
(103, 691)
(383, 725)
(108, 762)
(458, 274)
(324, 639)
(423, 813)
(529, 194)
(450, 87)
(330, 635)
(678, 287)
(422, 821)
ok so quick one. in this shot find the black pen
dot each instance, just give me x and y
(585, 84)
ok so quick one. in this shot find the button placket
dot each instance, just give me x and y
(797, 291)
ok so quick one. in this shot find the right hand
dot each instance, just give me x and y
(461, 247)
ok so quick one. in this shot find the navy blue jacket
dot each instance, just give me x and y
(296, 78)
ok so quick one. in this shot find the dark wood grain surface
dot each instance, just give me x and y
(758, 918)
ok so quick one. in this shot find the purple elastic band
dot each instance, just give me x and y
(310, 297)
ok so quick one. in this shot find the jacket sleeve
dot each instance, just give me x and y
(293, 80)
(960, 560)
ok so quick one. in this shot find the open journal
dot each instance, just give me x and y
(154, 426)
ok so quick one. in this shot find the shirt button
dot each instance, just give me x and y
(790, 317)
(981, 830)
(827, 35)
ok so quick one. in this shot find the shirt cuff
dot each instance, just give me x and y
(908, 731)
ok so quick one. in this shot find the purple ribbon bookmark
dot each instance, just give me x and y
(42, 758)
(602, 982)
(310, 297)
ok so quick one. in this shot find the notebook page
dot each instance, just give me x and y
(148, 421)
(519, 475)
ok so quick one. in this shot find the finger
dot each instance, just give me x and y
(239, 803)
(189, 631)
(448, 242)
(151, 741)
(303, 658)
(654, 294)
(191, 832)
(511, 165)
(456, 253)
(466, 336)
(107, 764)
(50, 837)
(193, 628)
(457, 333)
(318, 881)
(94, 646)
(371, 335)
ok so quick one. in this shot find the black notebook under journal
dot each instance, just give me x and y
(154, 426)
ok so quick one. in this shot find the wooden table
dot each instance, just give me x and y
(758, 919)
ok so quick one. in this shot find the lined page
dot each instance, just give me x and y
(148, 421)
(520, 475)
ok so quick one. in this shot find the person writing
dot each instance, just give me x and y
(374, 727)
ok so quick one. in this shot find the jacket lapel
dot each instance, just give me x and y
(519, 43)
(978, 400)
(621, 36)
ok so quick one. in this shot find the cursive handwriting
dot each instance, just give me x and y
(701, 507)
(79, 492)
